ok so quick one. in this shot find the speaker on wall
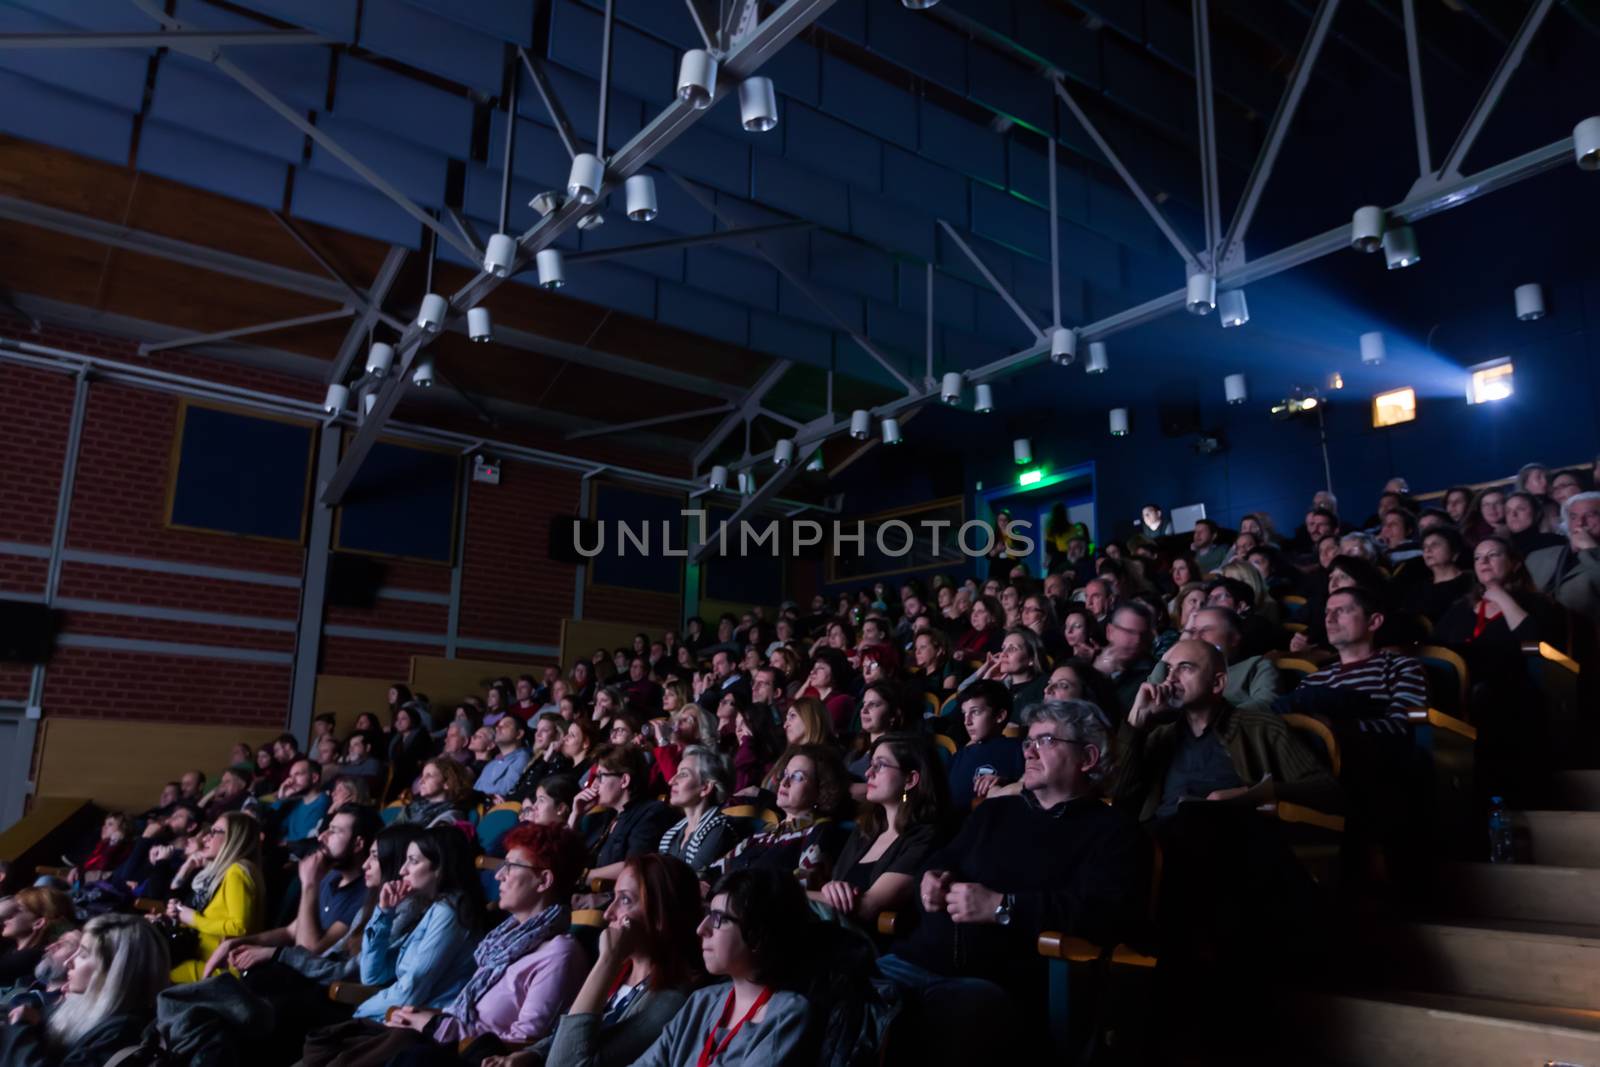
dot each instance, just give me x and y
(27, 632)
(354, 581)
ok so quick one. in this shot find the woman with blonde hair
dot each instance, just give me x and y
(112, 982)
(225, 888)
(1241, 570)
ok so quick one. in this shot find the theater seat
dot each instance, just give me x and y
(495, 823)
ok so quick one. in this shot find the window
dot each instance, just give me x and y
(1394, 407)
(1489, 381)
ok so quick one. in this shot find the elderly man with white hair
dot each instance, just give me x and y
(1571, 572)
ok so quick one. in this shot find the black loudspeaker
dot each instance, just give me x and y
(354, 581)
(1179, 418)
(27, 632)
(564, 533)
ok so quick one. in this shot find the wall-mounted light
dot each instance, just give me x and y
(1022, 451)
(983, 398)
(1373, 350)
(552, 268)
(1119, 422)
(422, 373)
(1530, 301)
(431, 315)
(1400, 247)
(783, 452)
(697, 78)
(918, 5)
(1366, 229)
(380, 357)
(336, 399)
(1233, 387)
(1232, 308)
(499, 255)
(641, 193)
(479, 326)
(758, 104)
(1098, 361)
(860, 424)
(1202, 293)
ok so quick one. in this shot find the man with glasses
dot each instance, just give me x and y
(1051, 858)
(1126, 657)
(1253, 681)
(1571, 572)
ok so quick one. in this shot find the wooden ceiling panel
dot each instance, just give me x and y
(60, 179)
(50, 264)
(609, 398)
(159, 290)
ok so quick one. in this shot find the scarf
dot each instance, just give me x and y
(425, 812)
(505, 945)
(690, 852)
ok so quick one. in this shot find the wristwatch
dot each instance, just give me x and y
(1002, 914)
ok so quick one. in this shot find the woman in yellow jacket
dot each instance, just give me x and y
(228, 893)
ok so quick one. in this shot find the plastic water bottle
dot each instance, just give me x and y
(1499, 832)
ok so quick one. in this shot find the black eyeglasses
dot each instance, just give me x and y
(608, 774)
(716, 917)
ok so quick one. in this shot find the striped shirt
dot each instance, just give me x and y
(1398, 681)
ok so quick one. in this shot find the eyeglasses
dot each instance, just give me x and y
(608, 774)
(1046, 741)
(794, 776)
(716, 917)
(211, 831)
(878, 766)
(524, 866)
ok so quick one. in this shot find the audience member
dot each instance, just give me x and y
(500, 775)
(699, 787)
(636, 820)
(1571, 572)
(1253, 681)
(224, 888)
(37, 916)
(989, 758)
(812, 792)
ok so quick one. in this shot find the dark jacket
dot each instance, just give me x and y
(23, 1046)
(637, 830)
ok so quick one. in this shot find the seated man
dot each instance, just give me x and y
(192, 786)
(1052, 858)
(1370, 688)
(171, 793)
(158, 853)
(1257, 634)
(360, 761)
(1208, 553)
(1126, 657)
(500, 774)
(1571, 572)
(989, 758)
(1253, 681)
(300, 807)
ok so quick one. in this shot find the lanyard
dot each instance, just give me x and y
(712, 1050)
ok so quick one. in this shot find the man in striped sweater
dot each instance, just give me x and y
(1390, 684)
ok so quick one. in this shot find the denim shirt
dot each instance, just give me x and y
(427, 968)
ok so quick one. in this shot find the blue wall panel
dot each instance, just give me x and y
(852, 266)
(509, 20)
(1013, 90)
(40, 113)
(440, 46)
(925, 186)
(1010, 221)
(613, 286)
(800, 192)
(890, 225)
(414, 171)
(869, 102)
(699, 313)
(711, 159)
(200, 161)
(403, 106)
(110, 76)
(212, 104)
(918, 43)
(1064, 40)
(797, 304)
(829, 146)
(359, 209)
(480, 196)
(741, 278)
(1030, 177)
(794, 70)
(331, 18)
(953, 300)
(962, 146)
(788, 339)
(105, 16)
(540, 157)
(639, 64)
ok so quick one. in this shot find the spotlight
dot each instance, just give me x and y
(422, 374)
(950, 391)
(641, 193)
(1119, 422)
(719, 478)
(336, 399)
(500, 254)
(479, 326)
(983, 398)
(369, 399)
(1299, 401)
(890, 428)
(1586, 143)
(380, 357)
(918, 5)
(1335, 380)
(1400, 246)
(1530, 301)
(1063, 345)
(1372, 348)
(747, 483)
(815, 462)
(552, 269)
(860, 424)
(697, 78)
(431, 315)
(758, 104)
(1233, 388)
(1022, 451)
(549, 201)
(1098, 363)
(592, 221)
(783, 452)
(1232, 308)
(1202, 293)
(585, 178)
(1366, 229)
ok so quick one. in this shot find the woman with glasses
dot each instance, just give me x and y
(698, 789)
(754, 935)
(898, 828)
(812, 791)
(621, 784)
(223, 883)
(881, 713)
(1018, 664)
(1502, 608)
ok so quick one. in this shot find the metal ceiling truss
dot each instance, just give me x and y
(246, 331)
(994, 283)
(361, 329)
(744, 411)
(181, 40)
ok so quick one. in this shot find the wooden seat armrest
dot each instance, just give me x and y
(888, 923)
(489, 863)
(1546, 651)
(589, 917)
(351, 992)
(1287, 811)
(148, 906)
(42, 871)
(600, 885)
(1058, 946)
(1437, 718)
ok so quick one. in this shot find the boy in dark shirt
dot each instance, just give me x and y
(989, 758)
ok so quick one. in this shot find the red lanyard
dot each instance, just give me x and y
(709, 1054)
(616, 983)
(1483, 619)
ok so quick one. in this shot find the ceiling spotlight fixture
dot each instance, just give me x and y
(1335, 380)
(1366, 229)
(815, 462)
(983, 398)
(380, 357)
(500, 254)
(719, 478)
(758, 104)
(1119, 422)
(592, 221)
(747, 483)
(1530, 301)
(1233, 388)
(1202, 293)
(547, 202)
(1586, 143)
(1063, 345)
(950, 390)
(697, 78)
(1299, 401)
(422, 374)
(337, 397)
(1097, 358)
(552, 268)
(585, 178)
(479, 326)
(860, 424)
(1232, 308)
(1400, 247)
(890, 428)
(431, 315)
(918, 5)
(641, 193)
(783, 452)
(1022, 451)
(1373, 349)
(369, 400)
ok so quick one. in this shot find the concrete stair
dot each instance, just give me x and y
(1517, 891)
(1531, 963)
(1559, 838)
(1577, 790)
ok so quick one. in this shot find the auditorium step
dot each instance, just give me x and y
(1529, 963)
(1578, 790)
(1518, 891)
(1436, 1030)
(1561, 838)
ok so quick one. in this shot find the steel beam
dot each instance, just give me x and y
(509, 158)
(1055, 250)
(469, 232)
(609, 19)
(699, 24)
(58, 530)
(310, 248)
(183, 40)
(785, 23)
(1210, 193)
(748, 404)
(361, 329)
(246, 331)
(1127, 177)
(552, 104)
(994, 283)
(639, 424)
(1497, 85)
(719, 237)
(1298, 78)
(313, 595)
(1419, 112)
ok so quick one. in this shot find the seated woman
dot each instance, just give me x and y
(987, 626)
(1444, 553)
(881, 713)
(690, 725)
(409, 746)
(36, 917)
(549, 730)
(648, 964)
(1018, 664)
(755, 935)
(759, 742)
(898, 828)
(1502, 608)
(578, 745)
(1083, 632)
(829, 681)
(621, 783)
(930, 653)
(527, 970)
(110, 998)
(729, 705)
(700, 787)
(812, 791)
(225, 889)
(114, 845)
(443, 795)
(551, 803)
